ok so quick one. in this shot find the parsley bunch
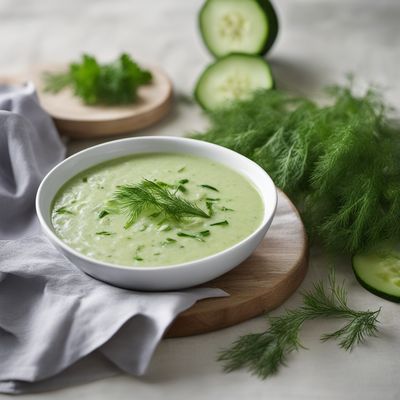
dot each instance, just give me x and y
(94, 83)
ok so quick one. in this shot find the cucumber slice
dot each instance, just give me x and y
(233, 77)
(238, 26)
(378, 271)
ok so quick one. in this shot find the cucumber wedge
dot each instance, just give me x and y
(378, 271)
(233, 77)
(238, 26)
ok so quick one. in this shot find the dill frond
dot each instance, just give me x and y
(133, 200)
(264, 353)
(338, 163)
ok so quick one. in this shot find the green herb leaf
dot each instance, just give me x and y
(168, 240)
(94, 83)
(165, 228)
(104, 233)
(132, 200)
(210, 187)
(197, 235)
(188, 235)
(209, 205)
(224, 222)
(64, 210)
(181, 188)
(264, 353)
(103, 213)
(177, 187)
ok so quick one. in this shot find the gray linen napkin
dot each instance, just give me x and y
(58, 326)
(29, 148)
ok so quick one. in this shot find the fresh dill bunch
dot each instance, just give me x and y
(94, 83)
(264, 353)
(338, 163)
(133, 200)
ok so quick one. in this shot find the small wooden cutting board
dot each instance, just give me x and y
(75, 119)
(261, 283)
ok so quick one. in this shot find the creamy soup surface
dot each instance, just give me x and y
(82, 217)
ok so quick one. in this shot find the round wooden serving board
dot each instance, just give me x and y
(261, 283)
(77, 120)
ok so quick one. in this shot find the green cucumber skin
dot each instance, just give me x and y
(273, 27)
(200, 25)
(198, 84)
(273, 24)
(372, 290)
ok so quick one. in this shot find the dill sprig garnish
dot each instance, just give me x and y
(133, 200)
(263, 353)
(338, 162)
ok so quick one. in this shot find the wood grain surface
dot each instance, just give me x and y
(261, 283)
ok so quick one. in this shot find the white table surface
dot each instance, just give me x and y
(319, 42)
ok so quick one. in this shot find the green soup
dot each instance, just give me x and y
(84, 217)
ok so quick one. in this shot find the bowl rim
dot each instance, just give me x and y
(52, 235)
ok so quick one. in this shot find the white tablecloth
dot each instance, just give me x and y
(319, 42)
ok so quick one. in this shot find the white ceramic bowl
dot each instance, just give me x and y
(162, 277)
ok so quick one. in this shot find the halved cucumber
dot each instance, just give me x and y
(378, 271)
(238, 26)
(233, 77)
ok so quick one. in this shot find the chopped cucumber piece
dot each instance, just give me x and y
(233, 77)
(238, 26)
(378, 271)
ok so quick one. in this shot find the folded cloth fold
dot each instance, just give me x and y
(29, 147)
(58, 326)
